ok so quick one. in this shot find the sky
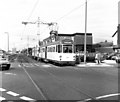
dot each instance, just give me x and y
(102, 20)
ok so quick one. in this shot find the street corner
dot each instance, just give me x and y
(109, 61)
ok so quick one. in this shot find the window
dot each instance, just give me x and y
(59, 48)
(67, 48)
(53, 49)
(43, 49)
(56, 48)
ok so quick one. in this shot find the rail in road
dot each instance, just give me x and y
(58, 83)
(40, 90)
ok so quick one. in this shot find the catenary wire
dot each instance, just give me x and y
(73, 10)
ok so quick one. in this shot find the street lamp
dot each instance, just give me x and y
(8, 39)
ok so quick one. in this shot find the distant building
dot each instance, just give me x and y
(116, 35)
(104, 47)
(13, 50)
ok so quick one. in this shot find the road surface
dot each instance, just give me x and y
(32, 80)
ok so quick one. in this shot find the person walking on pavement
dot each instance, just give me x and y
(97, 58)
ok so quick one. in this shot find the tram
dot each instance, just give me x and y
(60, 51)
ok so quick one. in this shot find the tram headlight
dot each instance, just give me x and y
(60, 57)
(74, 57)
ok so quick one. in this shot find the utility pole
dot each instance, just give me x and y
(38, 33)
(85, 31)
(8, 39)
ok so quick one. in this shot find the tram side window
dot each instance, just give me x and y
(59, 48)
(53, 49)
(67, 48)
(56, 48)
(43, 49)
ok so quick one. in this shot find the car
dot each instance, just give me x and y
(118, 58)
(4, 62)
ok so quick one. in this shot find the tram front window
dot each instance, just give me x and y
(67, 48)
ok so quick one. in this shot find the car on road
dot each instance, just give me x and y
(4, 62)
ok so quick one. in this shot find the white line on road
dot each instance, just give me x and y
(100, 97)
(32, 65)
(27, 98)
(10, 73)
(36, 64)
(12, 93)
(2, 98)
(1, 89)
(19, 65)
(106, 96)
(46, 65)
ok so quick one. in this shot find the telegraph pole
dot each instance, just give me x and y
(38, 33)
(85, 31)
(8, 39)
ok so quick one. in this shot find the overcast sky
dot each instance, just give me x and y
(102, 19)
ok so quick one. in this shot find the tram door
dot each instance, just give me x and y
(45, 52)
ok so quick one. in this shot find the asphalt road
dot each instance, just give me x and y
(31, 80)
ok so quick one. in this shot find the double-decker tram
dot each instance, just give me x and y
(60, 51)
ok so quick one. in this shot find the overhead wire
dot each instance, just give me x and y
(32, 11)
(74, 9)
(62, 17)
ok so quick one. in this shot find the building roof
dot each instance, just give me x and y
(74, 34)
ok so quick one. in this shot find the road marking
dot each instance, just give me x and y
(46, 65)
(106, 96)
(100, 97)
(36, 64)
(2, 98)
(27, 98)
(12, 93)
(25, 65)
(15, 95)
(10, 73)
(32, 65)
(1, 89)
(19, 65)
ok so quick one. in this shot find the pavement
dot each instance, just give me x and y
(104, 63)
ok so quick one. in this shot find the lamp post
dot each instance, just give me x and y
(8, 39)
(85, 32)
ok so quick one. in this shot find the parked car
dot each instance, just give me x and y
(4, 62)
(118, 58)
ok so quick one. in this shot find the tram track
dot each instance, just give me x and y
(41, 90)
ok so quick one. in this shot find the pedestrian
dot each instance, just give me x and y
(97, 58)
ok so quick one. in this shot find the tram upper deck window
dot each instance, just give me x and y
(59, 48)
(67, 48)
